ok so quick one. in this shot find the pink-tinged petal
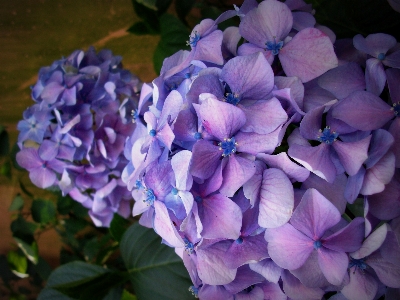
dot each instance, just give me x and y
(251, 249)
(308, 55)
(347, 239)
(379, 175)
(255, 294)
(272, 291)
(372, 112)
(48, 150)
(254, 143)
(390, 249)
(236, 173)
(386, 205)
(231, 38)
(314, 215)
(249, 49)
(209, 48)
(252, 187)
(276, 199)
(221, 119)
(164, 227)
(245, 277)
(352, 154)
(171, 108)
(329, 32)
(387, 271)
(51, 92)
(372, 243)
(282, 161)
(270, 20)
(206, 158)
(343, 80)
(42, 177)
(315, 159)
(268, 269)
(288, 247)
(210, 266)
(374, 44)
(28, 158)
(249, 76)
(214, 292)
(180, 163)
(310, 126)
(375, 76)
(294, 289)
(333, 265)
(334, 191)
(393, 79)
(381, 142)
(264, 116)
(310, 273)
(362, 286)
(291, 90)
(221, 218)
(353, 185)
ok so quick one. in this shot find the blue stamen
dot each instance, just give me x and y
(232, 98)
(317, 244)
(193, 39)
(327, 136)
(197, 135)
(150, 197)
(194, 290)
(228, 146)
(174, 191)
(135, 115)
(274, 46)
(198, 199)
(139, 184)
(239, 240)
(358, 263)
(396, 109)
(152, 132)
(381, 56)
(189, 247)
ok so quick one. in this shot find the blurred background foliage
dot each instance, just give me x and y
(123, 261)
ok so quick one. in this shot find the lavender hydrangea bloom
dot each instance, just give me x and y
(79, 130)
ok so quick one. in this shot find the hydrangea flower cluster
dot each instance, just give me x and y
(245, 156)
(73, 137)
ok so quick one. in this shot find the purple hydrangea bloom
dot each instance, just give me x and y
(79, 126)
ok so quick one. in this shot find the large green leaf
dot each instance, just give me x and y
(156, 272)
(79, 280)
(350, 17)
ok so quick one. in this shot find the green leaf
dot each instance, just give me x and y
(26, 192)
(357, 208)
(4, 142)
(141, 28)
(43, 211)
(128, 296)
(148, 3)
(5, 272)
(156, 271)
(18, 264)
(17, 203)
(114, 293)
(31, 251)
(350, 17)
(174, 35)
(5, 169)
(150, 17)
(118, 227)
(80, 280)
(23, 229)
(43, 268)
(64, 204)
